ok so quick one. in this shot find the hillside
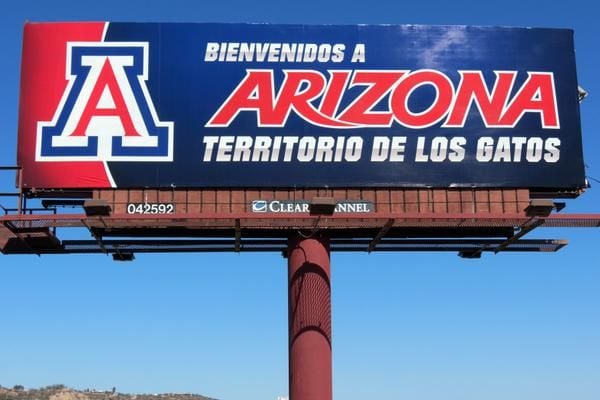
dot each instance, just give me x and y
(60, 392)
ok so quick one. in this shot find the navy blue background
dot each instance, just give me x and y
(188, 91)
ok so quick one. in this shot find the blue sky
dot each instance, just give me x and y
(415, 326)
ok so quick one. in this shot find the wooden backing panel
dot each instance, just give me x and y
(467, 201)
(166, 196)
(281, 194)
(353, 194)
(482, 201)
(263, 194)
(209, 199)
(522, 199)
(397, 201)
(136, 196)
(238, 203)
(308, 194)
(223, 201)
(382, 197)
(440, 201)
(251, 195)
(411, 200)
(180, 200)
(454, 201)
(194, 200)
(108, 195)
(340, 194)
(425, 201)
(509, 200)
(121, 198)
(368, 195)
(150, 196)
(496, 204)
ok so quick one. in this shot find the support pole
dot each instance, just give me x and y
(309, 314)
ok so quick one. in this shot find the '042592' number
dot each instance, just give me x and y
(150, 208)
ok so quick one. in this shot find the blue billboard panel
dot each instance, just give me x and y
(252, 105)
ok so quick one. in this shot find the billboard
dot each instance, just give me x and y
(131, 105)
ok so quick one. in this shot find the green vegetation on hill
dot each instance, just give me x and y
(61, 392)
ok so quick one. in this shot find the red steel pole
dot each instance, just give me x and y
(309, 314)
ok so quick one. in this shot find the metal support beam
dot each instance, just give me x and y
(309, 300)
(22, 201)
(525, 229)
(96, 236)
(238, 236)
(380, 234)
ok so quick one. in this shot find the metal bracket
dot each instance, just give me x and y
(380, 234)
